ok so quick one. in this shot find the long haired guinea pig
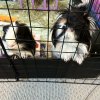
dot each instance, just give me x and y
(18, 40)
(72, 34)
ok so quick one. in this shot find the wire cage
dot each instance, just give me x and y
(43, 68)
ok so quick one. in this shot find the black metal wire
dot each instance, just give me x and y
(48, 30)
(11, 62)
(15, 37)
(48, 27)
(56, 81)
(57, 72)
(91, 92)
(12, 24)
(64, 34)
(28, 9)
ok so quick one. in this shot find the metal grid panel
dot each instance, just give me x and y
(25, 69)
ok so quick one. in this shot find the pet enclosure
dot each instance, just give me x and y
(43, 68)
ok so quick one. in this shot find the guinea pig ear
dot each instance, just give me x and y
(16, 22)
